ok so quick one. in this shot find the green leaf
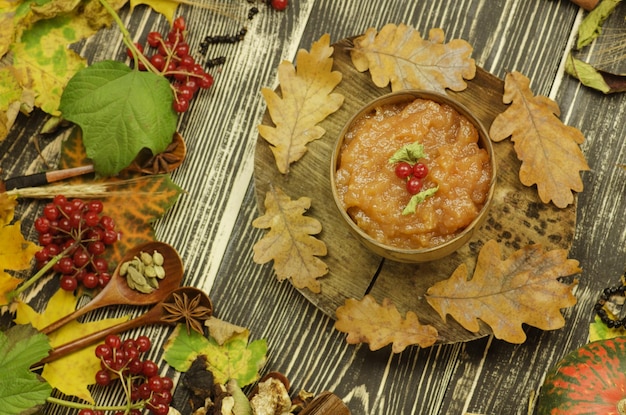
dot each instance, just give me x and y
(598, 330)
(234, 359)
(409, 153)
(586, 74)
(120, 111)
(417, 199)
(591, 26)
(20, 389)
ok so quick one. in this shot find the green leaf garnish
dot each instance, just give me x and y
(417, 199)
(20, 389)
(410, 153)
(120, 111)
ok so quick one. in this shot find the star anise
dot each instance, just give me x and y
(191, 311)
(164, 162)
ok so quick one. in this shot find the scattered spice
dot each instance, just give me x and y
(191, 311)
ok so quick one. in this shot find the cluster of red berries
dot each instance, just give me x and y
(413, 174)
(122, 360)
(171, 59)
(80, 231)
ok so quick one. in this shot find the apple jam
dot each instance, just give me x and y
(374, 196)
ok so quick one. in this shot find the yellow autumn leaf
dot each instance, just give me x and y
(366, 321)
(7, 208)
(400, 56)
(306, 99)
(16, 253)
(166, 7)
(73, 373)
(290, 242)
(43, 61)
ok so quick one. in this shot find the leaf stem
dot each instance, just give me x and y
(78, 405)
(126, 38)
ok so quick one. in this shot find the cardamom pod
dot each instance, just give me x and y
(143, 271)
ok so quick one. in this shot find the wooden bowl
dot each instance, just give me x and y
(422, 254)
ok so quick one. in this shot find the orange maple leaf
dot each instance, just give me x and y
(400, 56)
(366, 321)
(135, 202)
(290, 242)
(505, 294)
(306, 99)
(71, 374)
(549, 150)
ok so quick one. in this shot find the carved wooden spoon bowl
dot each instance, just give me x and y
(117, 291)
(169, 311)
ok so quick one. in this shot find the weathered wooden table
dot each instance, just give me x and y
(211, 223)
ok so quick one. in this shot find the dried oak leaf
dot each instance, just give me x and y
(524, 288)
(549, 150)
(306, 99)
(400, 56)
(366, 321)
(290, 242)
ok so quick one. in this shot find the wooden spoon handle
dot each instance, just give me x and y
(153, 316)
(92, 305)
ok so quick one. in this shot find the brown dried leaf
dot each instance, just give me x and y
(306, 99)
(289, 242)
(524, 288)
(366, 321)
(549, 150)
(398, 54)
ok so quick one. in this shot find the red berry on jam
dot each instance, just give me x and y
(403, 170)
(414, 185)
(420, 170)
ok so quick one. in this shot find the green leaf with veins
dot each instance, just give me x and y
(20, 389)
(409, 153)
(120, 111)
(234, 359)
(418, 198)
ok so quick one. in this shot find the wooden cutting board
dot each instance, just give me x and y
(517, 217)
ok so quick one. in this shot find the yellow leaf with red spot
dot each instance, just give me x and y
(16, 253)
(73, 373)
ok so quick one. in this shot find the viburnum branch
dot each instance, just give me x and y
(126, 38)
(42, 271)
(78, 405)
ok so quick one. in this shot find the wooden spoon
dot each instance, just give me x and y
(117, 291)
(156, 315)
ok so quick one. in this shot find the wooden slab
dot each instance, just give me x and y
(517, 217)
